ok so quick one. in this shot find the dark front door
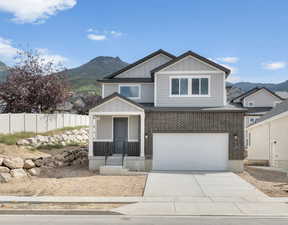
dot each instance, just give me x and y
(120, 134)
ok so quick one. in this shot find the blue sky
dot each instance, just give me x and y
(249, 36)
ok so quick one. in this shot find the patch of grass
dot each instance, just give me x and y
(11, 139)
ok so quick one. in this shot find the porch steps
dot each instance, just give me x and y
(114, 161)
(113, 170)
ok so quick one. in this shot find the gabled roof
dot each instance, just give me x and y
(280, 108)
(160, 51)
(114, 95)
(195, 55)
(254, 90)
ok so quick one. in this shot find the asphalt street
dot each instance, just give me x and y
(119, 220)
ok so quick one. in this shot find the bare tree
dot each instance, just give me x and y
(34, 84)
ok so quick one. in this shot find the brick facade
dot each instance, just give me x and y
(197, 122)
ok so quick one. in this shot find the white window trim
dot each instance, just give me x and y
(131, 85)
(189, 86)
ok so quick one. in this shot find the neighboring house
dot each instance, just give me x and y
(268, 138)
(257, 101)
(167, 113)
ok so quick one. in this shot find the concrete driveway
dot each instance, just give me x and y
(199, 184)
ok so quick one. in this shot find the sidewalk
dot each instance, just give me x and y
(151, 206)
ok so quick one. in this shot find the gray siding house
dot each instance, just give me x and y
(257, 101)
(167, 113)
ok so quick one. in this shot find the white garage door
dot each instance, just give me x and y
(190, 151)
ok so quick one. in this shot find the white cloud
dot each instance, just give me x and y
(34, 11)
(233, 79)
(274, 65)
(8, 53)
(96, 37)
(228, 59)
(49, 57)
(116, 33)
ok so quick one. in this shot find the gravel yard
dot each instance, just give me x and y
(274, 184)
(75, 181)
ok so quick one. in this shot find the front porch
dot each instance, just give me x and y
(117, 134)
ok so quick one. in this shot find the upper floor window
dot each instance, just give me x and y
(130, 90)
(179, 86)
(189, 86)
(200, 86)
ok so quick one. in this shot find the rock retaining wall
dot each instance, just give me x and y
(13, 168)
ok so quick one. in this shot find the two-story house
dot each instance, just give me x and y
(258, 101)
(167, 113)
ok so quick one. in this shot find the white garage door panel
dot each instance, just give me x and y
(190, 151)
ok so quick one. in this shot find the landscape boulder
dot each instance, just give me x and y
(23, 142)
(1, 161)
(28, 164)
(14, 163)
(4, 169)
(18, 173)
(5, 177)
(34, 171)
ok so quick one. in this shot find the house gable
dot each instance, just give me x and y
(116, 104)
(189, 64)
(261, 98)
(139, 68)
(143, 70)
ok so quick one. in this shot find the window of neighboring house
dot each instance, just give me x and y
(250, 104)
(189, 86)
(252, 120)
(179, 86)
(276, 103)
(130, 91)
(200, 86)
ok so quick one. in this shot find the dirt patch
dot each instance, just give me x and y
(75, 181)
(20, 151)
(274, 184)
(83, 206)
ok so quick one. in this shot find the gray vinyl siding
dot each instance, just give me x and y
(105, 128)
(116, 105)
(143, 70)
(261, 98)
(190, 64)
(147, 92)
(216, 98)
(134, 127)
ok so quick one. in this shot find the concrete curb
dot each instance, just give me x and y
(51, 199)
(54, 212)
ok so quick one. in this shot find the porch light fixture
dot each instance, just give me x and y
(235, 137)
(146, 136)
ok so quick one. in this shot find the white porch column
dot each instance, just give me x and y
(91, 135)
(142, 134)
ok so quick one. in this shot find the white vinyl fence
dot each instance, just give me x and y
(29, 122)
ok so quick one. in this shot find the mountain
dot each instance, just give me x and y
(84, 77)
(3, 71)
(246, 86)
